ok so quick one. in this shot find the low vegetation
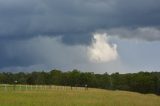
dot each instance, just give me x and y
(64, 96)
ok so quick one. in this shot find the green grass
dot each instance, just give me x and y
(60, 96)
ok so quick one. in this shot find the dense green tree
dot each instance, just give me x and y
(144, 82)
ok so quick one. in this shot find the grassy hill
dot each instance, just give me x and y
(64, 96)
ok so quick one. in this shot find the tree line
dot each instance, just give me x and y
(143, 82)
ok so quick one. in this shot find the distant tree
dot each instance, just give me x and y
(144, 82)
(56, 77)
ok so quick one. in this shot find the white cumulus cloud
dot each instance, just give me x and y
(100, 50)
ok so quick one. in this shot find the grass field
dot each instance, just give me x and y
(64, 96)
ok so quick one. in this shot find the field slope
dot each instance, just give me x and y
(75, 97)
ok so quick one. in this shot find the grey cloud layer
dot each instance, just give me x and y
(40, 50)
(45, 53)
(28, 28)
(24, 19)
(141, 33)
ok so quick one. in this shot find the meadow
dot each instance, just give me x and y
(23, 95)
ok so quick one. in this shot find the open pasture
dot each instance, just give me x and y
(22, 95)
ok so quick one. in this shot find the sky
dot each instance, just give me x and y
(89, 35)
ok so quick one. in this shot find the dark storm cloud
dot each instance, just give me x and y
(41, 50)
(29, 28)
(24, 19)
(13, 53)
(74, 21)
(141, 33)
(78, 39)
